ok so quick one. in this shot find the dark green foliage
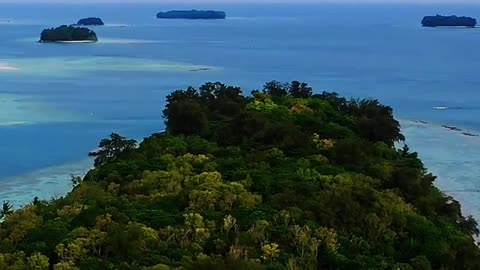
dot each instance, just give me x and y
(113, 147)
(220, 264)
(282, 180)
(187, 118)
(375, 121)
(295, 89)
(439, 20)
(6, 209)
(275, 89)
(90, 21)
(300, 90)
(67, 33)
(46, 237)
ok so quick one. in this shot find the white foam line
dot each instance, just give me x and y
(15, 123)
(5, 67)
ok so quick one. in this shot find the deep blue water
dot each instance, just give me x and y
(71, 96)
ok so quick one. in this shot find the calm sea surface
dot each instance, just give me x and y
(57, 101)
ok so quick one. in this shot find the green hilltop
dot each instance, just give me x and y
(283, 179)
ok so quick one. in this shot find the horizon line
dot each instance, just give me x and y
(250, 2)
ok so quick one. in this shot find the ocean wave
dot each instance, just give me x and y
(262, 18)
(15, 123)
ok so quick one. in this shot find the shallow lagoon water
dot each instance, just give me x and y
(59, 100)
(24, 110)
(46, 183)
(453, 157)
(72, 66)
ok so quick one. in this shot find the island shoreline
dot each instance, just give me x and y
(68, 41)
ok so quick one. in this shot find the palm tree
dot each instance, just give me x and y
(7, 209)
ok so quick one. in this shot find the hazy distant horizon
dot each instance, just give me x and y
(245, 1)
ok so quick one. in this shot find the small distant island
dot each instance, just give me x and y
(68, 34)
(439, 20)
(192, 14)
(90, 21)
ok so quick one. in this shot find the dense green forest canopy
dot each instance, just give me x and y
(282, 179)
(90, 21)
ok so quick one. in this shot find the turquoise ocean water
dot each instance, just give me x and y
(58, 100)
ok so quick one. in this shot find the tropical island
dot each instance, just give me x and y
(438, 20)
(68, 34)
(192, 14)
(90, 21)
(281, 179)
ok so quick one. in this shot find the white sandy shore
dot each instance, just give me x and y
(77, 41)
(70, 41)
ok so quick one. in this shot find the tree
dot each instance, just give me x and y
(187, 118)
(470, 225)
(223, 101)
(375, 121)
(7, 209)
(36, 200)
(339, 103)
(300, 90)
(276, 89)
(38, 262)
(190, 94)
(222, 92)
(209, 91)
(65, 266)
